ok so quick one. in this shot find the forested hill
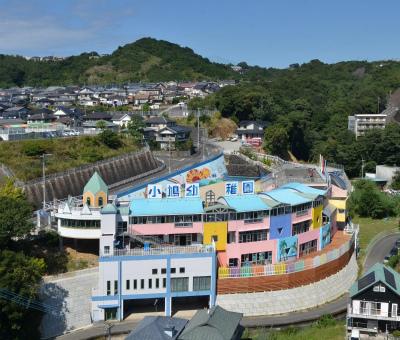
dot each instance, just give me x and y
(147, 60)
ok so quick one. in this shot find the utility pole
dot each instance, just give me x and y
(44, 177)
(169, 154)
(198, 129)
(362, 167)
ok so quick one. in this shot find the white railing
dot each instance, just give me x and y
(371, 313)
(193, 249)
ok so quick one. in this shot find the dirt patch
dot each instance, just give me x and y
(80, 260)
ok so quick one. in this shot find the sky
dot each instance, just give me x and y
(261, 32)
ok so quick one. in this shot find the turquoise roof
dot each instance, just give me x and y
(287, 196)
(243, 203)
(300, 187)
(379, 276)
(95, 184)
(109, 209)
(166, 206)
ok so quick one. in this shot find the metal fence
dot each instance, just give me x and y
(284, 267)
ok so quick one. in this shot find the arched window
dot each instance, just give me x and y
(88, 201)
(100, 201)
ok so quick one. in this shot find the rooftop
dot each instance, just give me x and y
(166, 206)
(286, 196)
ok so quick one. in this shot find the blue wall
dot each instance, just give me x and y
(325, 236)
(280, 221)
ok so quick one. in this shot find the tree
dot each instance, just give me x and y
(15, 214)
(101, 124)
(110, 139)
(20, 275)
(396, 181)
(135, 128)
(276, 141)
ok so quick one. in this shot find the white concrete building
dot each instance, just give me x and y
(361, 123)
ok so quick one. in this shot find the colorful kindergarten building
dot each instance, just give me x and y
(180, 240)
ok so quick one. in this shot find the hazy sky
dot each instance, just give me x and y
(263, 32)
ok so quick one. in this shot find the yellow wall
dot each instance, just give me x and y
(317, 217)
(340, 204)
(219, 229)
(94, 199)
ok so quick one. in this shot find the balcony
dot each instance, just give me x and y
(163, 250)
(370, 313)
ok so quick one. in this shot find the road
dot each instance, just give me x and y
(338, 307)
(380, 249)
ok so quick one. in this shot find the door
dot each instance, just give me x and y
(111, 313)
(394, 310)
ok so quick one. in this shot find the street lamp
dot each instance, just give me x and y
(43, 157)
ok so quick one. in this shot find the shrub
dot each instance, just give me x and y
(33, 148)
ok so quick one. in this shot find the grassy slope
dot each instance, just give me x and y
(66, 153)
(330, 332)
(369, 228)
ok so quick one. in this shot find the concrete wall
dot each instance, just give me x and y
(386, 172)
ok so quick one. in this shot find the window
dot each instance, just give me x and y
(150, 283)
(106, 250)
(157, 283)
(214, 238)
(379, 288)
(233, 262)
(128, 284)
(110, 313)
(163, 270)
(181, 270)
(115, 287)
(256, 258)
(154, 271)
(142, 284)
(253, 236)
(301, 227)
(173, 270)
(100, 201)
(394, 309)
(179, 284)
(108, 287)
(201, 283)
(88, 202)
(231, 237)
(164, 282)
(134, 284)
(308, 247)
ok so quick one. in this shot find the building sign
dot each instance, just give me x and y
(231, 188)
(192, 190)
(154, 191)
(173, 191)
(247, 187)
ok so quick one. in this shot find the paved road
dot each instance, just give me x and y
(380, 249)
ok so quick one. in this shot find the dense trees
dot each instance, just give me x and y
(20, 274)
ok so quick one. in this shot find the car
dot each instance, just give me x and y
(394, 251)
(397, 244)
(234, 139)
(386, 259)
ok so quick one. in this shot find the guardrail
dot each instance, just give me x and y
(284, 267)
(193, 249)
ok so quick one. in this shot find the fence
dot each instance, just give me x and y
(284, 267)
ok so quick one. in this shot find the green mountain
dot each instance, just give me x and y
(144, 60)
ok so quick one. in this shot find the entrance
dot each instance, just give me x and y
(110, 313)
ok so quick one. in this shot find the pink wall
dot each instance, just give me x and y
(165, 228)
(235, 250)
(241, 226)
(302, 218)
(309, 236)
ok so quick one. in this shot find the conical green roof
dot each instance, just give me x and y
(95, 185)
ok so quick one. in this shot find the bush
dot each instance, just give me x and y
(33, 148)
(325, 321)
(110, 139)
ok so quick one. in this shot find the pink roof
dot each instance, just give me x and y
(338, 192)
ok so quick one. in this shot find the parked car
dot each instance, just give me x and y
(397, 244)
(386, 259)
(394, 251)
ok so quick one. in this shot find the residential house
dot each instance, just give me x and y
(374, 301)
(251, 131)
(215, 323)
(42, 117)
(96, 116)
(16, 112)
(165, 132)
(157, 328)
(121, 118)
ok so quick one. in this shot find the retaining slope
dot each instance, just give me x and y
(113, 170)
(295, 299)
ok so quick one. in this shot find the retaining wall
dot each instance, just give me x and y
(295, 299)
